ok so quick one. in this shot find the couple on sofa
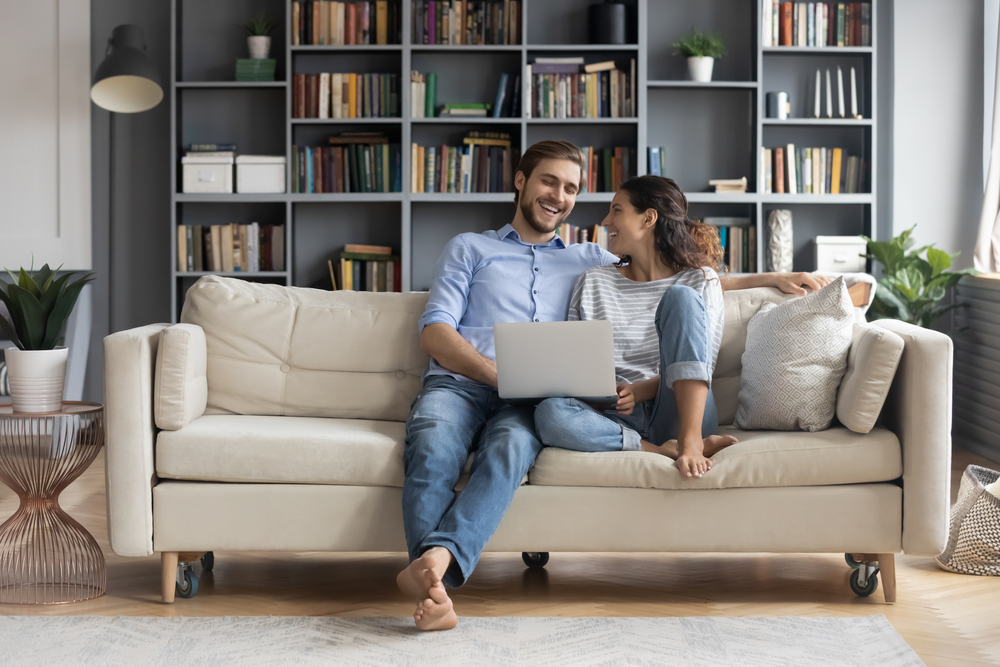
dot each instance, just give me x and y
(664, 300)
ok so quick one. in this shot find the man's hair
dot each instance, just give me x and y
(554, 150)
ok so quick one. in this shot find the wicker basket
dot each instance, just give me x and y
(974, 537)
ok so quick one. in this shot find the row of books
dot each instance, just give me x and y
(811, 171)
(593, 234)
(423, 99)
(484, 163)
(739, 243)
(368, 271)
(608, 167)
(461, 22)
(656, 160)
(423, 94)
(320, 22)
(356, 164)
(816, 24)
(230, 247)
(345, 95)
(566, 88)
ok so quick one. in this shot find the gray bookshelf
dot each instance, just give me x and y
(710, 130)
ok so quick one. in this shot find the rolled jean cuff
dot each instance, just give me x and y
(631, 440)
(687, 370)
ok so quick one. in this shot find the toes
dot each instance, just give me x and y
(438, 594)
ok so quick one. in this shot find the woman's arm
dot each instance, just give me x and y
(800, 283)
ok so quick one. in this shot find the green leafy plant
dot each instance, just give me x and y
(699, 44)
(260, 26)
(39, 304)
(911, 285)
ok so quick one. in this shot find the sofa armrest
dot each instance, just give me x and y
(918, 411)
(180, 392)
(130, 474)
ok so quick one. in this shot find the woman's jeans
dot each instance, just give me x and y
(685, 354)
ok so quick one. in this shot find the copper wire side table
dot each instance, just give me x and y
(45, 556)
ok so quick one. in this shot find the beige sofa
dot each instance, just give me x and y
(273, 418)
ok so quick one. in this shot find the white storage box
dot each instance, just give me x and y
(260, 173)
(207, 174)
(841, 254)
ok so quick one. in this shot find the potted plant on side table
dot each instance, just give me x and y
(701, 49)
(38, 303)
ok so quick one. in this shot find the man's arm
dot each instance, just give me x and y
(800, 283)
(452, 351)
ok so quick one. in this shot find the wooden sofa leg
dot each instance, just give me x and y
(887, 567)
(168, 580)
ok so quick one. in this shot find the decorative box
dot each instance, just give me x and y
(260, 173)
(207, 174)
(841, 254)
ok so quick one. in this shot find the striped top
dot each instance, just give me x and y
(602, 293)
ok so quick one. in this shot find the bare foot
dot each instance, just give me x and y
(716, 443)
(436, 612)
(713, 444)
(418, 578)
(691, 461)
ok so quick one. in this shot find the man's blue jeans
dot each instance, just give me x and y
(448, 421)
(685, 354)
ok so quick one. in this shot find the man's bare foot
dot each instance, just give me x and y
(418, 578)
(436, 612)
(713, 444)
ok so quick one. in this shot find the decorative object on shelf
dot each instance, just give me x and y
(262, 174)
(911, 286)
(974, 534)
(207, 173)
(607, 23)
(701, 49)
(777, 105)
(38, 304)
(259, 36)
(45, 556)
(729, 184)
(854, 95)
(840, 254)
(840, 91)
(818, 89)
(779, 241)
(829, 95)
(255, 69)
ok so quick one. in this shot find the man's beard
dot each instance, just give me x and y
(528, 211)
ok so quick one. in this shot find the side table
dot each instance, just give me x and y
(46, 557)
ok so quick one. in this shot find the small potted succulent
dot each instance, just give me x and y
(259, 36)
(701, 49)
(38, 304)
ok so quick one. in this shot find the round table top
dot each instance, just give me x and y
(69, 408)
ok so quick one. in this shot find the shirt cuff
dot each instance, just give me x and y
(687, 370)
(435, 317)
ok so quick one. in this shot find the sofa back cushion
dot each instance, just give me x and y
(275, 350)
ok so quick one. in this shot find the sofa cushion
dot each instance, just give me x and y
(759, 459)
(291, 351)
(181, 388)
(871, 365)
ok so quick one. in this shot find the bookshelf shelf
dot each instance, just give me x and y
(233, 274)
(229, 198)
(595, 197)
(812, 50)
(460, 120)
(345, 48)
(698, 84)
(298, 197)
(582, 47)
(722, 197)
(829, 122)
(857, 198)
(478, 48)
(230, 84)
(344, 121)
(582, 121)
(483, 197)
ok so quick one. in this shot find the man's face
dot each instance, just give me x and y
(549, 194)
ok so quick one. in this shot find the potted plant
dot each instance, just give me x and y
(701, 49)
(38, 304)
(911, 286)
(258, 39)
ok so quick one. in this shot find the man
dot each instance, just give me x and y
(521, 273)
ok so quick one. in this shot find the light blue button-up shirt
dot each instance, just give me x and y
(482, 279)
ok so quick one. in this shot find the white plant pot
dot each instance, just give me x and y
(700, 68)
(260, 46)
(36, 378)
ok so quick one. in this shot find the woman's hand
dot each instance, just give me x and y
(626, 399)
(800, 283)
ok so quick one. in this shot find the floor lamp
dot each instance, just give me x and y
(125, 82)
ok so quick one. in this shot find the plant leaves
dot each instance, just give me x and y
(938, 260)
(43, 278)
(60, 313)
(50, 295)
(26, 282)
(10, 332)
(33, 318)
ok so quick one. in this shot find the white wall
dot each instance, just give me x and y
(938, 124)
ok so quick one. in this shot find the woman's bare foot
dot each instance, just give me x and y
(713, 444)
(436, 612)
(716, 443)
(418, 578)
(691, 461)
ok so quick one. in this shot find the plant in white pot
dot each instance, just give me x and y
(259, 36)
(701, 49)
(38, 305)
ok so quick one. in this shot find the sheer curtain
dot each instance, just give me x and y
(987, 257)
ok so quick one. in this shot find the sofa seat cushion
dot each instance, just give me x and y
(304, 450)
(759, 459)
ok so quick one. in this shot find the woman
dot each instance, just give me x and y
(664, 300)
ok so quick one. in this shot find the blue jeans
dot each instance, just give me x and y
(449, 420)
(685, 354)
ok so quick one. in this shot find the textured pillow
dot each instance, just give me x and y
(871, 365)
(795, 357)
(181, 387)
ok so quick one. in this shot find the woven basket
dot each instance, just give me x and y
(974, 537)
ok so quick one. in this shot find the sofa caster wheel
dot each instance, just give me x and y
(535, 559)
(187, 582)
(208, 561)
(868, 585)
(851, 563)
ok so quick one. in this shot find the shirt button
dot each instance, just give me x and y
(536, 319)
(534, 291)
(536, 268)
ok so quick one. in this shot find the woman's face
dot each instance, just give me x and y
(628, 230)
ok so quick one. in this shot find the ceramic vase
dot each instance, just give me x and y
(259, 46)
(36, 378)
(779, 241)
(700, 68)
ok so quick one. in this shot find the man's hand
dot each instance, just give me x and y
(626, 399)
(800, 283)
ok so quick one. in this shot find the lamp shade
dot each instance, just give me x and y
(127, 80)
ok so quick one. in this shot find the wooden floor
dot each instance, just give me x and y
(948, 619)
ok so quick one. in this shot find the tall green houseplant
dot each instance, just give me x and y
(911, 285)
(39, 304)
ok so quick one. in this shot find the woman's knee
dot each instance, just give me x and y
(552, 416)
(679, 297)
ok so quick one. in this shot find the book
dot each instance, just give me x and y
(598, 67)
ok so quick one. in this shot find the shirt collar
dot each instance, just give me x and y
(508, 229)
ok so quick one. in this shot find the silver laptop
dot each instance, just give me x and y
(538, 360)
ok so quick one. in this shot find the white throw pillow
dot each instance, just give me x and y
(795, 357)
(871, 365)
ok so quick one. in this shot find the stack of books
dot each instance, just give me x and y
(423, 94)
(319, 22)
(566, 88)
(729, 184)
(255, 69)
(739, 243)
(508, 98)
(816, 24)
(211, 150)
(230, 248)
(818, 171)
(594, 234)
(655, 160)
(345, 95)
(484, 163)
(609, 167)
(354, 162)
(365, 268)
(464, 110)
(460, 22)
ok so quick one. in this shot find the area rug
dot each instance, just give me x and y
(535, 642)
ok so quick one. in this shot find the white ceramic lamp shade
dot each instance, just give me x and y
(127, 80)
